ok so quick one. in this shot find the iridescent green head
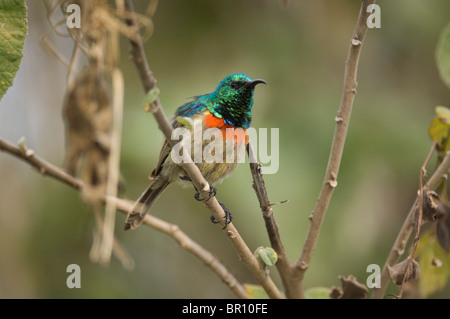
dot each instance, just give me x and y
(233, 99)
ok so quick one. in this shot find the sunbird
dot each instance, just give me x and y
(228, 106)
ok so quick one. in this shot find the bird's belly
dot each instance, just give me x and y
(220, 158)
(214, 164)
(216, 172)
(216, 155)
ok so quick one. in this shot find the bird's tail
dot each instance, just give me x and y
(142, 205)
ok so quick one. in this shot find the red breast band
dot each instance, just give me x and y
(211, 121)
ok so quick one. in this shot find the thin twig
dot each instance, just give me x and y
(148, 82)
(403, 236)
(342, 123)
(419, 218)
(185, 242)
(284, 266)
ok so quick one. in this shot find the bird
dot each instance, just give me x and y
(229, 106)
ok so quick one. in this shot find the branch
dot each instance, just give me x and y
(41, 165)
(337, 148)
(284, 266)
(185, 242)
(148, 82)
(418, 219)
(405, 232)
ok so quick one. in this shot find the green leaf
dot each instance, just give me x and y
(434, 264)
(443, 55)
(439, 128)
(152, 95)
(13, 30)
(266, 256)
(318, 293)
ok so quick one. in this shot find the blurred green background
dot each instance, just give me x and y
(300, 51)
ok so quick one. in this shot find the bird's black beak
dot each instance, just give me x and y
(253, 83)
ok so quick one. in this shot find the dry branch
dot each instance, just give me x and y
(284, 266)
(149, 83)
(185, 242)
(405, 232)
(337, 148)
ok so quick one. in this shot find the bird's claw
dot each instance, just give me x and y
(212, 192)
(228, 217)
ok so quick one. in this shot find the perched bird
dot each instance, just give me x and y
(229, 106)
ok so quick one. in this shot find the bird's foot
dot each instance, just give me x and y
(228, 217)
(212, 192)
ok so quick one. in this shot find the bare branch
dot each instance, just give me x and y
(124, 206)
(148, 82)
(41, 165)
(284, 266)
(337, 148)
(419, 219)
(405, 232)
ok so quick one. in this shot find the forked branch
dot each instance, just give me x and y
(284, 266)
(408, 225)
(185, 242)
(148, 82)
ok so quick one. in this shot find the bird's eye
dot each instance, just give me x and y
(234, 85)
